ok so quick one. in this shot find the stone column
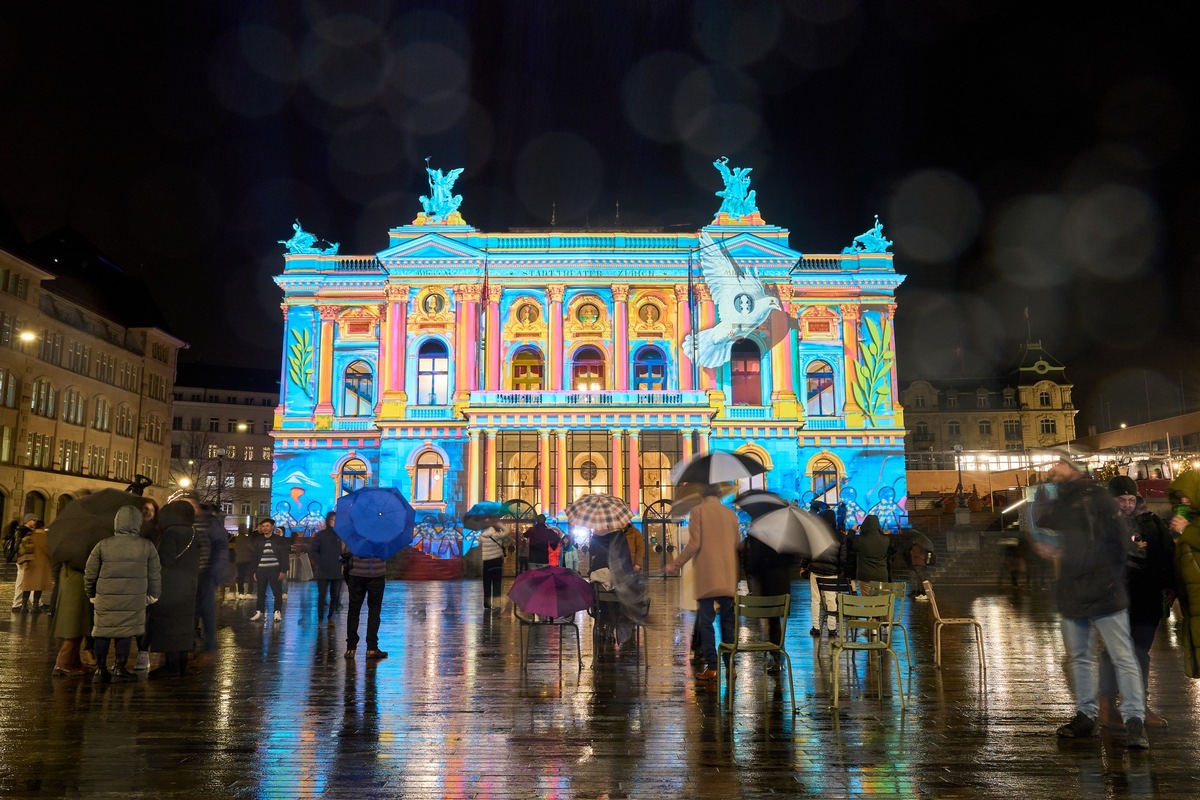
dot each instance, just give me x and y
(708, 318)
(283, 371)
(683, 326)
(705, 444)
(783, 358)
(560, 460)
(470, 352)
(474, 465)
(393, 352)
(544, 498)
(554, 355)
(494, 345)
(490, 490)
(329, 315)
(850, 317)
(634, 495)
(620, 336)
(688, 444)
(615, 462)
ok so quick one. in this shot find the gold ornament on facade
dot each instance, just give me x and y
(525, 322)
(359, 322)
(819, 323)
(587, 317)
(650, 320)
(432, 310)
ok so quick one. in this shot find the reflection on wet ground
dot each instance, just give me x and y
(451, 714)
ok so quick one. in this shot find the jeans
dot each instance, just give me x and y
(706, 614)
(493, 572)
(333, 588)
(1079, 638)
(830, 603)
(372, 590)
(1142, 632)
(100, 648)
(206, 612)
(270, 577)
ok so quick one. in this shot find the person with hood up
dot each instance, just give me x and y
(20, 533)
(1184, 492)
(123, 576)
(1151, 581)
(33, 563)
(871, 547)
(170, 626)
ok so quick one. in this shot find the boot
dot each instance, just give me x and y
(1109, 716)
(122, 673)
(102, 675)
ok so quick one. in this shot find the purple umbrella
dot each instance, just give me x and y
(551, 592)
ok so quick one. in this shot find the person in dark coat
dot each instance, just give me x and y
(871, 547)
(326, 555)
(1151, 582)
(243, 558)
(214, 573)
(171, 621)
(541, 539)
(770, 574)
(123, 576)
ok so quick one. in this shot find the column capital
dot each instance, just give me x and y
(703, 293)
(620, 292)
(850, 310)
(283, 308)
(544, 433)
(329, 313)
(560, 433)
(469, 292)
(555, 292)
(490, 432)
(681, 292)
(634, 433)
(472, 433)
(396, 293)
(494, 293)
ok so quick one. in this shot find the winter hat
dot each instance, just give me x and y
(128, 519)
(1122, 485)
(29, 518)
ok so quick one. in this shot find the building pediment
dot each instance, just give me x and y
(748, 247)
(430, 247)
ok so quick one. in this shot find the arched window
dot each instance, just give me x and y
(649, 369)
(758, 481)
(819, 390)
(427, 483)
(433, 374)
(826, 486)
(745, 374)
(73, 407)
(44, 399)
(352, 477)
(587, 371)
(527, 369)
(102, 421)
(921, 429)
(358, 390)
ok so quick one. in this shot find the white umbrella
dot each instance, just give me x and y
(793, 530)
(716, 467)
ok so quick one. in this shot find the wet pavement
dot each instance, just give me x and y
(451, 714)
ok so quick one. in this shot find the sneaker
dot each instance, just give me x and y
(257, 616)
(143, 662)
(349, 655)
(279, 616)
(832, 632)
(922, 598)
(1135, 735)
(1080, 726)
(376, 654)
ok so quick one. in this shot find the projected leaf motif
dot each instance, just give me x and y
(872, 372)
(300, 360)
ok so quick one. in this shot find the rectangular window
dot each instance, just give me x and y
(266, 454)
(247, 481)
(214, 425)
(247, 453)
(264, 481)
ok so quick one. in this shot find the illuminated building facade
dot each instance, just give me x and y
(536, 366)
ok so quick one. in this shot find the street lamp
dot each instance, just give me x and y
(958, 490)
(221, 452)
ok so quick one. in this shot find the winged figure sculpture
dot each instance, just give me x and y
(741, 300)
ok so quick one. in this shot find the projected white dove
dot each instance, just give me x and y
(742, 304)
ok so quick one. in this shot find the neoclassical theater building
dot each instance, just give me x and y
(460, 365)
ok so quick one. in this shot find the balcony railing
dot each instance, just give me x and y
(824, 423)
(599, 398)
(429, 412)
(749, 412)
(353, 424)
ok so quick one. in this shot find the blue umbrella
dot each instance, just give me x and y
(480, 515)
(375, 522)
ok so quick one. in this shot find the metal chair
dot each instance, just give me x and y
(834, 585)
(940, 622)
(608, 614)
(869, 614)
(530, 622)
(898, 590)
(757, 607)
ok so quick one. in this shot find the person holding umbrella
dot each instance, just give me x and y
(713, 532)
(171, 623)
(493, 541)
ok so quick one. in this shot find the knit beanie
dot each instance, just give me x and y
(128, 519)
(29, 518)
(1123, 484)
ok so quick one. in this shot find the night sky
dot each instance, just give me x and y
(1022, 156)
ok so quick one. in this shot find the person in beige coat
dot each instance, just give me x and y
(712, 550)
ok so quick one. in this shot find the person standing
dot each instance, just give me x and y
(123, 576)
(214, 573)
(1184, 492)
(770, 574)
(367, 580)
(243, 561)
(33, 562)
(326, 554)
(492, 542)
(871, 548)
(712, 546)
(1092, 596)
(541, 539)
(271, 556)
(171, 622)
(1151, 583)
(637, 546)
(28, 525)
(522, 553)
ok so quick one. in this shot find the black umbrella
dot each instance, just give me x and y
(910, 536)
(716, 467)
(83, 523)
(758, 502)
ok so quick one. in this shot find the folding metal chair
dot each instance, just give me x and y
(940, 622)
(897, 590)
(870, 615)
(757, 607)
